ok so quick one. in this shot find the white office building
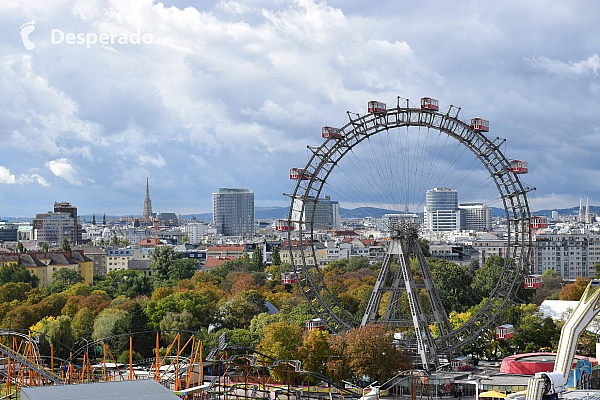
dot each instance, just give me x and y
(475, 217)
(441, 210)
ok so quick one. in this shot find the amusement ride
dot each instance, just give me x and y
(390, 157)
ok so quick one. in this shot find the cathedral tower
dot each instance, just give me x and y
(147, 214)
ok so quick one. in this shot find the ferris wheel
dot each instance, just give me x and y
(389, 158)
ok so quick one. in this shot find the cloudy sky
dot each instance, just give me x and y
(229, 93)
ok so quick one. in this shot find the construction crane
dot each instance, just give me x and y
(547, 385)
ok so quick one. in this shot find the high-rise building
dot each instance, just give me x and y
(475, 217)
(441, 210)
(52, 227)
(147, 213)
(233, 212)
(326, 214)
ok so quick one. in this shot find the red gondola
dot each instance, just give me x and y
(480, 124)
(376, 107)
(505, 331)
(428, 103)
(283, 225)
(298, 174)
(315, 323)
(518, 167)
(329, 132)
(459, 363)
(533, 281)
(289, 278)
(538, 222)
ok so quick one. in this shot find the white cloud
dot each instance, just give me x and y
(25, 178)
(63, 169)
(589, 66)
(6, 176)
(146, 159)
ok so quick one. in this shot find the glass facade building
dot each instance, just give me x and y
(233, 212)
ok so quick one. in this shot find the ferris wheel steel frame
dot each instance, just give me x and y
(324, 159)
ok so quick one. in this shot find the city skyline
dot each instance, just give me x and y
(236, 91)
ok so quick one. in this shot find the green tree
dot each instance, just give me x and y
(239, 311)
(44, 248)
(61, 335)
(115, 240)
(183, 268)
(124, 357)
(17, 273)
(20, 248)
(83, 324)
(124, 242)
(64, 245)
(177, 322)
(257, 259)
(11, 291)
(106, 322)
(453, 283)
(185, 238)
(486, 277)
(245, 257)
(275, 257)
(169, 267)
(62, 279)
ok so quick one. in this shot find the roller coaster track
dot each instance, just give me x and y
(44, 373)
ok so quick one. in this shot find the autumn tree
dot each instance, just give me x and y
(281, 342)
(573, 291)
(373, 355)
(314, 351)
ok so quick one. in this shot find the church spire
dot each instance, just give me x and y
(587, 210)
(147, 213)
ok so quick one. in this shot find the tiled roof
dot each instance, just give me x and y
(226, 248)
(212, 262)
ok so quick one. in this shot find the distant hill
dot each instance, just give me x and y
(360, 212)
